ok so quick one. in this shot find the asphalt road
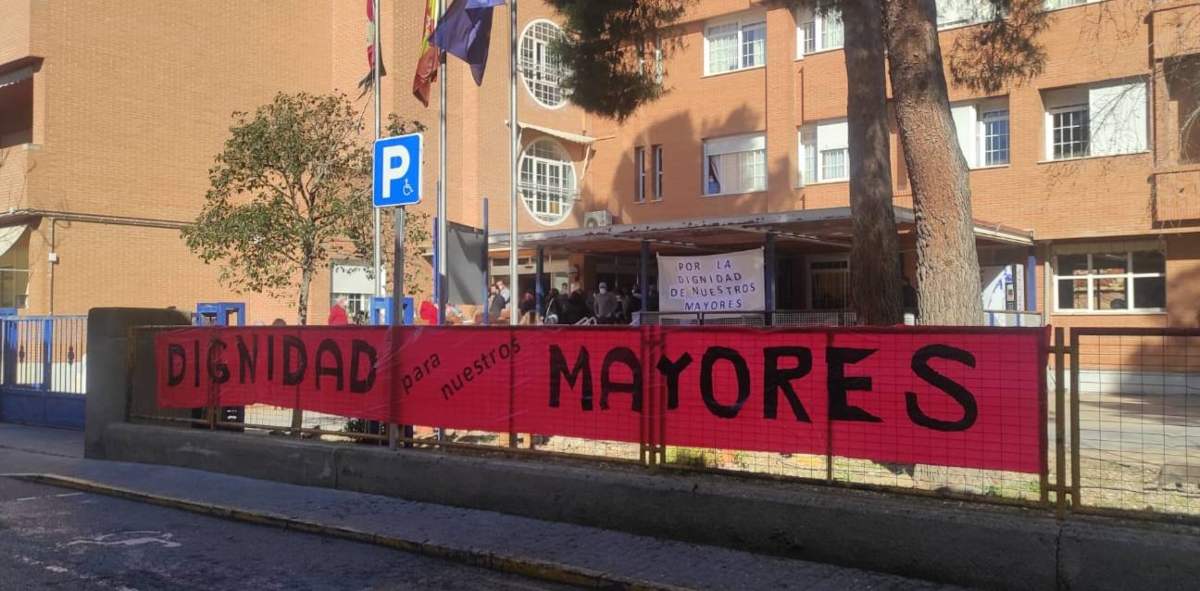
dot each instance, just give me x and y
(53, 538)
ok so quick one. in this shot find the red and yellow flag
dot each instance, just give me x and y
(427, 65)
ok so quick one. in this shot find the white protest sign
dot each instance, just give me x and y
(713, 283)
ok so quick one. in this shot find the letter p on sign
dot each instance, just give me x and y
(397, 171)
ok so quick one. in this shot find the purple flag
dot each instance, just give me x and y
(465, 31)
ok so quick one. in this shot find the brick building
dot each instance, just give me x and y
(1086, 194)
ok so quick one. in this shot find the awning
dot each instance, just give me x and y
(9, 236)
(565, 136)
(824, 228)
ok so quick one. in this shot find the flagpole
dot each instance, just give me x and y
(439, 235)
(514, 150)
(378, 129)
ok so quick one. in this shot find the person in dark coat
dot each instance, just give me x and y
(577, 308)
(552, 307)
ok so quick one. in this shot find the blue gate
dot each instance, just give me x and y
(43, 370)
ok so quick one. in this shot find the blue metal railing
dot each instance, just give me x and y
(46, 353)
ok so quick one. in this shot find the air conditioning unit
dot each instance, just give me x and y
(597, 219)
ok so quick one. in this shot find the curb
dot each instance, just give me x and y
(526, 567)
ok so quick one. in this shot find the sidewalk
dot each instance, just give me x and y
(555, 551)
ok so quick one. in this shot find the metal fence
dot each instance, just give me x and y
(812, 318)
(782, 318)
(1122, 435)
(46, 353)
(1133, 443)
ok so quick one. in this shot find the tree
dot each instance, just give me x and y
(608, 48)
(875, 288)
(948, 266)
(290, 188)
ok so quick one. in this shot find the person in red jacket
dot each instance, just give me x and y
(337, 313)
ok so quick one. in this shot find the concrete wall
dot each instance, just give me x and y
(109, 379)
(968, 544)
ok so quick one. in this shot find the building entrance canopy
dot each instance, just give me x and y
(821, 229)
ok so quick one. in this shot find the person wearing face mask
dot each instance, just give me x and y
(606, 305)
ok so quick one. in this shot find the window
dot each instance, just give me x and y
(735, 165)
(818, 32)
(14, 267)
(356, 283)
(1101, 119)
(1069, 126)
(983, 131)
(540, 68)
(657, 152)
(808, 155)
(994, 132)
(734, 46)
(1111, 281)
(833, 164)
(16, 108)
(659, 68)
(547, 181)
(639, 174)
(1056, 4)
(957, 13)
(828, 278)
(824, 152)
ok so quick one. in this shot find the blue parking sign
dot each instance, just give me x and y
(397, 171)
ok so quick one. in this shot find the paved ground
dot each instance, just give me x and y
(53, 540)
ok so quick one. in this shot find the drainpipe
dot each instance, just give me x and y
(52, 260)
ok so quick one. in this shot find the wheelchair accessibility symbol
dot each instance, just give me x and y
(397, 175)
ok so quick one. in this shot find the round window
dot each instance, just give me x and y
(547, 182)
(541, 70)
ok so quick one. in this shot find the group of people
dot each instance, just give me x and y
(570, 305)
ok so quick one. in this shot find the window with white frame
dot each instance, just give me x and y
(1056, 4)
(639, 174)
(983, 131)
(1069, 132)
(958, 13)
(1111, 281)
(993, 128)
(824, 152)
(735, 165)
(356, 283)
(547, 181)
(541, 69)
(735, 45)
(658, 68)
(1102, 119)
(817, 31)
(657, 155)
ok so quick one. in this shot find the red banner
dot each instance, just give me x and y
(951, 397)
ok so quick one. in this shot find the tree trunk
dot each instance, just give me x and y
(306, 276)
(947, 265)
(875, 291)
